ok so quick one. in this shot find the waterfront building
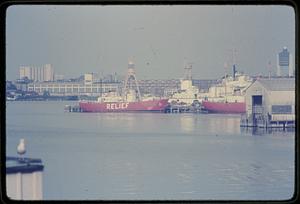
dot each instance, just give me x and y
(167, 87)
(89, 78)
(24, 178)
(270, 102)
(73, 88)
(158, 87)
(90, 85)
(112, 78)
(35, 73)
(21, 85)
(47, 73)
(25, 71)
(59, 77)
(9, 86)
(285, 63)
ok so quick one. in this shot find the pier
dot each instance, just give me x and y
(263, 131)
(265, 121)
(184, 109)
(69, 108)
(168, 109)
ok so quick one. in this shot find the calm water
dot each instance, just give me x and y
(151, 155)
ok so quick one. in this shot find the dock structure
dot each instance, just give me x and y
(76, 108)
(263, 131)
(24, 178)
(169, 109)
(178, 108)
(262, 121)
(270, 103)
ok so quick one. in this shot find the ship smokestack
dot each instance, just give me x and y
(233, 71)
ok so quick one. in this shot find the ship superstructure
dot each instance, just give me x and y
(229, 95)
(129, 100)
(187, 93)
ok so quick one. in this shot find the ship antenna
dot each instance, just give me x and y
(234, 53)
(225, 69)
(225, 80)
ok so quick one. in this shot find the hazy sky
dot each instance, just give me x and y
(159, 39)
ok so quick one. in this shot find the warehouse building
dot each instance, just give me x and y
(73, 88)
(270, 103)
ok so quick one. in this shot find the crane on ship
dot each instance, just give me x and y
(131, 82)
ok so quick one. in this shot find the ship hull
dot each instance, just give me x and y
(140, 106)
(223, 107)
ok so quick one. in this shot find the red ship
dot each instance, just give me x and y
(129, 101)
(229, 95)
(157, 105)
(224, 107)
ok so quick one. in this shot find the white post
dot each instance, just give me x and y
(19, 193)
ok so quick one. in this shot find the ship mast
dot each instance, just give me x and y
(129, 80)
(233, 71)
(234, 52)
(269, 68)
(225, 80)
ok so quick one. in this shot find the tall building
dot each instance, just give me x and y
(25, 71)
(43, 73)
(285, 63)
(48, 73)
(89, 78)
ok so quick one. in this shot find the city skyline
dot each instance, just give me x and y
(159, 39)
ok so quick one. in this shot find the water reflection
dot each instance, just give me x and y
(152, 156)
(121, 120)
(264, 131)
(188, 123)
(226, 123)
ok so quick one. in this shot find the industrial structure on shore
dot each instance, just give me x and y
(90, 85)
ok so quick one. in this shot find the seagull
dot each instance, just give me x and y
(21, 147)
